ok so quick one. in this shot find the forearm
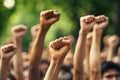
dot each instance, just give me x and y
(35, 54)
(17, 60)
(53, 70)
(79, 56)
(110, 53)
(37, 47)
(3, 70)
(86, 60)
(95, 65)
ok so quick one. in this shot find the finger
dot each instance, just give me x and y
(88, 19)
(19, 28)
(46, 13)
(100, 19)
(52, 20)
(8, 48)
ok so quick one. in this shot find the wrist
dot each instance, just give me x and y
(82, 32)
(4, 62)
(18, 40)
(56, 64)
(57, 61)
(44, 28)
(98, 30)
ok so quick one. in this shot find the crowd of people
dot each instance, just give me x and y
(58, 61)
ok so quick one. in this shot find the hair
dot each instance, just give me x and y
(11, 77)
(109, 65)
(43, 61)
(65, 68)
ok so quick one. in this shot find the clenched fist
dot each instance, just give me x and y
(19, 31)
(101, 22)
(7, 52)
(59, 48)
(87, 23)
(48, 17)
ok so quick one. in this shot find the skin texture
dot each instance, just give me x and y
(58, 49)
(47, 18)
(87, 23)
(112, 41)
(87, 54)
(95, 63)
(19, 32)
(7, 53)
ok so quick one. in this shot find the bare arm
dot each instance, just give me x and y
(58, 49)
(87, 54)
(112, 41)
(87, 23)
(7, 53)
(95, 63)
(18, 32)
(47, 18)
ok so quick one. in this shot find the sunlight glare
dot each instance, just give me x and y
(9, 3)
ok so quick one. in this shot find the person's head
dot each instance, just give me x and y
(110, 71)
(26, 60)
(43, 66)
(65, 73)
(46, 55)
(34, 30)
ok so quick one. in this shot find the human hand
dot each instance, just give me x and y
(59, 48)
(113, 40)
(49, 17)
(7, 52)
(19, 31)
(105, 40)
(87, 23)
(101, 22)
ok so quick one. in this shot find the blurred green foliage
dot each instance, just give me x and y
(27, 12)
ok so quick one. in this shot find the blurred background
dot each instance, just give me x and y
(14, 12)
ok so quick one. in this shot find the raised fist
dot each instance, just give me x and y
(101, 21)
(7, 52)
(87, 23)
(48, 17)
(59, 48)
(113, 40)
(19, 31)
